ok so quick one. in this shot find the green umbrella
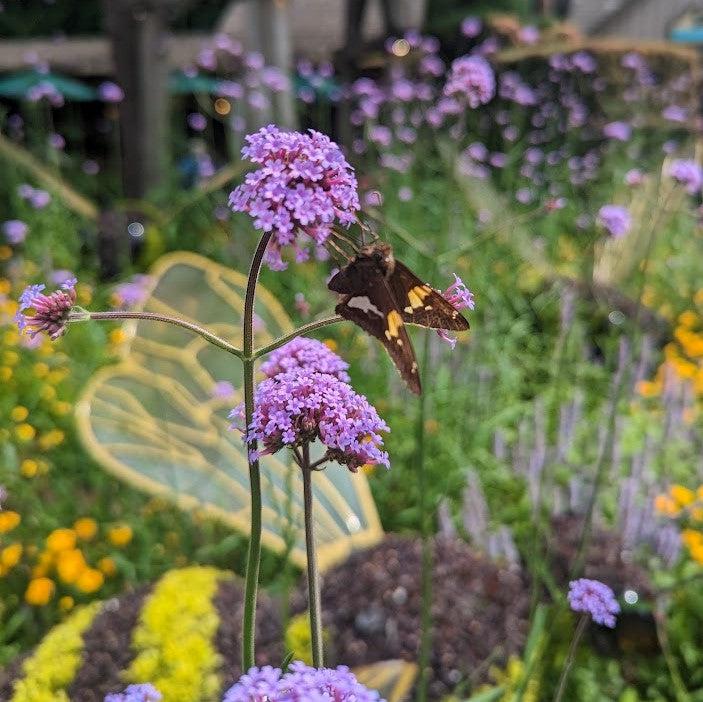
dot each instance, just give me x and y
(18, 84)
(182, 84)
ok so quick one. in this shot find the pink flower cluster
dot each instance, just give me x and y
(471, 77)
(302, 187)
(50, 311)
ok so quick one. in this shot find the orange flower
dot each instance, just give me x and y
(683, 496)
(39, 591)
(61, 540)
(107, 566)
(10, 555)
(649, 388)
(120, 535)
(90, 580)
(86, 528)
(70, 565)
(666, 506)
(8, 521)
(66, 603)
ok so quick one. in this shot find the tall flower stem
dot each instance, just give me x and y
(425, 527)
(570, 657)
(314, 600)
(251, 577)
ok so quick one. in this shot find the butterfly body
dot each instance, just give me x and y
(382, 295)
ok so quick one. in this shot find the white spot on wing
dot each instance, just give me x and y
(365, 305)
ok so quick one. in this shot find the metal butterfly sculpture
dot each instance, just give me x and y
(380, 294)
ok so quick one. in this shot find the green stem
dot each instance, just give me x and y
(251, 577)
(302, 331)
(426, 564)
(571, 656)
(119, 314)
(314, 600)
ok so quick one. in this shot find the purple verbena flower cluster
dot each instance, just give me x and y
(304, 184)
(50, 311)
(595, 598)
(110, 92)
(142, 692)
(615, 219)
(471, 77)
(305, 353)
(458, 295)
(687, 173)
(301, 684)
(133, 292)
(302, 405)
(15, 231)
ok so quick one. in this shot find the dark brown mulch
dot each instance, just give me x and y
(229, 602)
(9, 674)
(604, 557)
(371, 605)
(107, 648)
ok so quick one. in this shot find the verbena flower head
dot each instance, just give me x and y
(110, 92)
(615, 219)
(309, 354)
(15, 231)
(595, 598)
(303, 186)
(293, 408)
(143, 692)
(458, 295)
(301, 684)
(50, 311)
(620, 131)
(687, 173)
(471, 77)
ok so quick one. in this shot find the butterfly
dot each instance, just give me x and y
(381, 295)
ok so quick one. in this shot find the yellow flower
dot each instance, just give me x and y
(10, 555)
(5, 286)
(51, 439)
(11, 337)
(108, 566)
(117, 337)
(331, 344)
(39, 591)
(8, 521)
(86, 528)
(61, 408)
(688, 319)
(431, 425)
(25, 432)
(5, 373)
(90, 580)
(666, 506)
(10, 358)
(691, 537)
(120, 535)
(696, 552)
(61, 540)
(5, 252)
(70, 565)
(29, 467)
(683, 496)
(56, 376)
(649, 388)
(66, 603)
(19, 414)
(41, 370)
(47, 393)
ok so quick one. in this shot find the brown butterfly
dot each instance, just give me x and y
(381, 295)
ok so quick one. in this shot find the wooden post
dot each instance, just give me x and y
(138, 34)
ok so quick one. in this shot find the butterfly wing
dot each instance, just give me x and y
(371, 305)
(420, 304)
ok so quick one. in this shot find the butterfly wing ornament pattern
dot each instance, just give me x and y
(381, 295)
(158, 418)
